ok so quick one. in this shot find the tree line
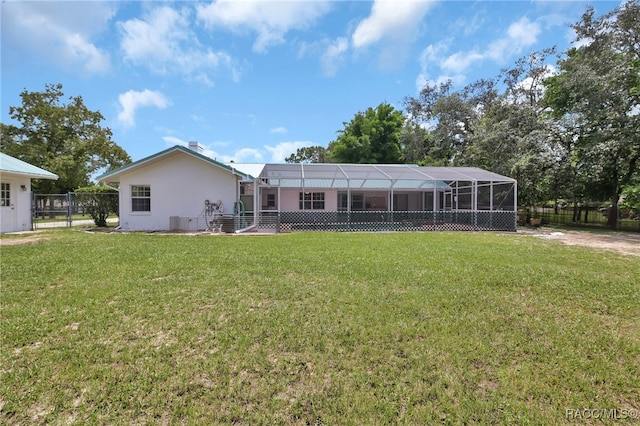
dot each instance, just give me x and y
(565, 130)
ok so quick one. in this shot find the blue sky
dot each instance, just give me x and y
(252, 81)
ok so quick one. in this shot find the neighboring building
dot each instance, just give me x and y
(174, 189)
(15, 192)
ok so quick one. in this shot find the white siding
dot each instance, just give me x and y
(180, 184)
(17, 216)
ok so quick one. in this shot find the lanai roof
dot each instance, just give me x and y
(373, 176)
(9, 164)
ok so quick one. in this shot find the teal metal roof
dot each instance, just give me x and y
(9, 164)
(114, 173)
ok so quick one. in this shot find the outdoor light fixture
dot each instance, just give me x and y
(23, 187)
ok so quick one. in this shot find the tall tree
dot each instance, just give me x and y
(308, 154)
(451, 117)
(370, 137)
(510, 138)
(598, 83)
(64, 138)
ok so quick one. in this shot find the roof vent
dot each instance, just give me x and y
(195, 146)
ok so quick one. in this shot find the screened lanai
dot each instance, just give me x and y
(385, 197)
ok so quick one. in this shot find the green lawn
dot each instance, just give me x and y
(316, 328)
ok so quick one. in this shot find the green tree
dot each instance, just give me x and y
(451, 118)
(598, 84)
(99, 201)
(308, 154)
(64, 138)
(510, 138)
(371, 137)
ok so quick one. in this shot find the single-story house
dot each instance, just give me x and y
(176, 189)
(15, 192)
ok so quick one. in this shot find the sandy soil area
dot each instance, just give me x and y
(621, 242)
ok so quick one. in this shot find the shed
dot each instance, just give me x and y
(15, 192)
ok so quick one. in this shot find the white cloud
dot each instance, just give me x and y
(468, 25)
(243, 155)
(173, 141)
(392, 19)
(519, 36)
(333, 55)
(164, 42)
(270, 20)
(433, 56)
(460, 61)
(536, 86)
(246, 155)
(60, 33)
(278, 130)
(132, 100)
(285, 149)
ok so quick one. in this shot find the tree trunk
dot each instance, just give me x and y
(612, 214)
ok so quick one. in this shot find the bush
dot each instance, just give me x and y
(99, 201)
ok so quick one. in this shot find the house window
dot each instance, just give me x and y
(5, 195)
(140, 198)
(312, 201)
(271, 200)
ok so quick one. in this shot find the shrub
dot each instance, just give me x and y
(99, 201)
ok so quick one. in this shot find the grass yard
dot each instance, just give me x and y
(317, 328)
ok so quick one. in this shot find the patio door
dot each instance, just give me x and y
(7, 206)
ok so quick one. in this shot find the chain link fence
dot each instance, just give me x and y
(63, 210)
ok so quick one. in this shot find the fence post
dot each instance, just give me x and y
(69, 209)
(34, 211)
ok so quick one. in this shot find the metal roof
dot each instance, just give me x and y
(250, 169)
(114, 174)
(11, 164)
(373, 176)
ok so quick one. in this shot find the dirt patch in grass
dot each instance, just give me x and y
(22, 240)
(626, 243)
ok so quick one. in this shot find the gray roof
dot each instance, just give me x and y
(9, 164)
(373, 176)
